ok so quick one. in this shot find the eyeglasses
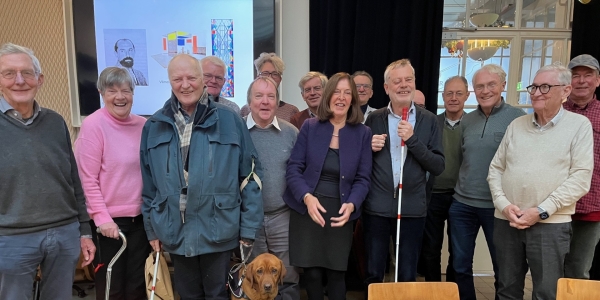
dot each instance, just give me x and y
(544, 88)
(452, 94)
(364, 86)
(316, 89)
(26, 74)
(274, 74)
(490, 86)
(209, 77)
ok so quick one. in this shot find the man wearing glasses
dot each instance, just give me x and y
(271, 65)
(311, 88)
(472, 207)
(542, 167)
(364, 86)
(586, 220)
(213, 69)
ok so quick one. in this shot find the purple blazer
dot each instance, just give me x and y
(308, 157)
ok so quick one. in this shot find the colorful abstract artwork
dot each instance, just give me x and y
(222, 47)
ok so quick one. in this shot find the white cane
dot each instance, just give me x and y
(154, 277)
(402, 148)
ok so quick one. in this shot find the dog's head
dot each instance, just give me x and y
(264, 274)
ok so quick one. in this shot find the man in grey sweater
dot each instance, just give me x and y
(43, 220)
(274, 139)
(472, 206)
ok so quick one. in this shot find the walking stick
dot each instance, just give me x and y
(112, 262)
(154, 277)
(402, 148)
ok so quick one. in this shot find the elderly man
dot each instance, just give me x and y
(472, 206)
(456, 92)
(542, 167)
(364, 86)
(271, 65)
(214, 79)
(44, 218)
(311, 88)
(419, 99)
(197, 205)
(423, 154)
(125, 53)
(274, 140)
(586, 220)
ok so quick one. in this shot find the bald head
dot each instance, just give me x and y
(419, 98)
(184, 60)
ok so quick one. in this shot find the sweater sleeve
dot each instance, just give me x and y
(497, 167)
(83, 216)
(430, 156)
(88, 152)
(579, 180)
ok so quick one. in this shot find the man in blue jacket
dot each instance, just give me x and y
(423, 154)
(196, 157)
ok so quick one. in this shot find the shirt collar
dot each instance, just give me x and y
(5, 107)
(552, 122)
(411, 109)
(310, 114)
(250, 123)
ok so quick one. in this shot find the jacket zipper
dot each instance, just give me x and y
(486, 120)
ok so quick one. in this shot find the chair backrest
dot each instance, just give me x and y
(577, 289)
(413, 291)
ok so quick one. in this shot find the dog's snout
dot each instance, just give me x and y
(268, 286)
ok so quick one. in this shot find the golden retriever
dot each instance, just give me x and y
(263, 275)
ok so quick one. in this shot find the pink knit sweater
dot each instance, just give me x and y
(107, 152)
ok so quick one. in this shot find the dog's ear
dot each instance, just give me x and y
(282, 272)
(250, 273)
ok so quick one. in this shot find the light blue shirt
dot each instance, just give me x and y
(552, 122)
(395, 140)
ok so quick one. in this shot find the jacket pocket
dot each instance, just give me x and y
(225, 223)
(221, 149)
(159, 152)
(162, 219)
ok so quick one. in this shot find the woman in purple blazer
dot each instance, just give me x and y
(328, 177)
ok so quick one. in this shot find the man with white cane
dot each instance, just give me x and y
(423, 153)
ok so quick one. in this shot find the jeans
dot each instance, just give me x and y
(201, 277)
(540, 248)
(273, 238)
(127, 277)
(433, 238)
(56, 250)
(465, 222)
(377, 233)
(583, 244)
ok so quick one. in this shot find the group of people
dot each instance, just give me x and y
(202, 177)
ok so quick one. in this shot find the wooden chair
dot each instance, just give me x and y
(577, 289)
(413, 291)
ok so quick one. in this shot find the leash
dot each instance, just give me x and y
(236, 287)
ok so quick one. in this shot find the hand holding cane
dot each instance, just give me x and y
(402, 149)
(155, 273)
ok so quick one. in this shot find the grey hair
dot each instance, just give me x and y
(10, 48)
(457, 77)
(267, 80)
(397, 64)
(563, 73)
(114, 76)
(215, 61)
(269, 57)
(363, 73)
(492, 69)
(310, 75)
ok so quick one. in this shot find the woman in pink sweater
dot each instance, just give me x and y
(107, 153)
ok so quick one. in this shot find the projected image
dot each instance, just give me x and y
(128, 51)
(150, 36)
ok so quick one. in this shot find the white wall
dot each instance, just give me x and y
(292, 45)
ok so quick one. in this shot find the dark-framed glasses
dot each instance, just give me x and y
(274, 74)
(544, 88)
(26, 74)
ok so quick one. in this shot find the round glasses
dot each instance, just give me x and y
(544, 88)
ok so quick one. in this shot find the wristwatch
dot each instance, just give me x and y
(543, 213)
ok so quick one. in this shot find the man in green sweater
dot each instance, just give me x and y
(274, 140)
(456, 93)
(43, 216)
(543, 166)
(472, 207)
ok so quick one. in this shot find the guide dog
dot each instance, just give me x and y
(260, 278)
